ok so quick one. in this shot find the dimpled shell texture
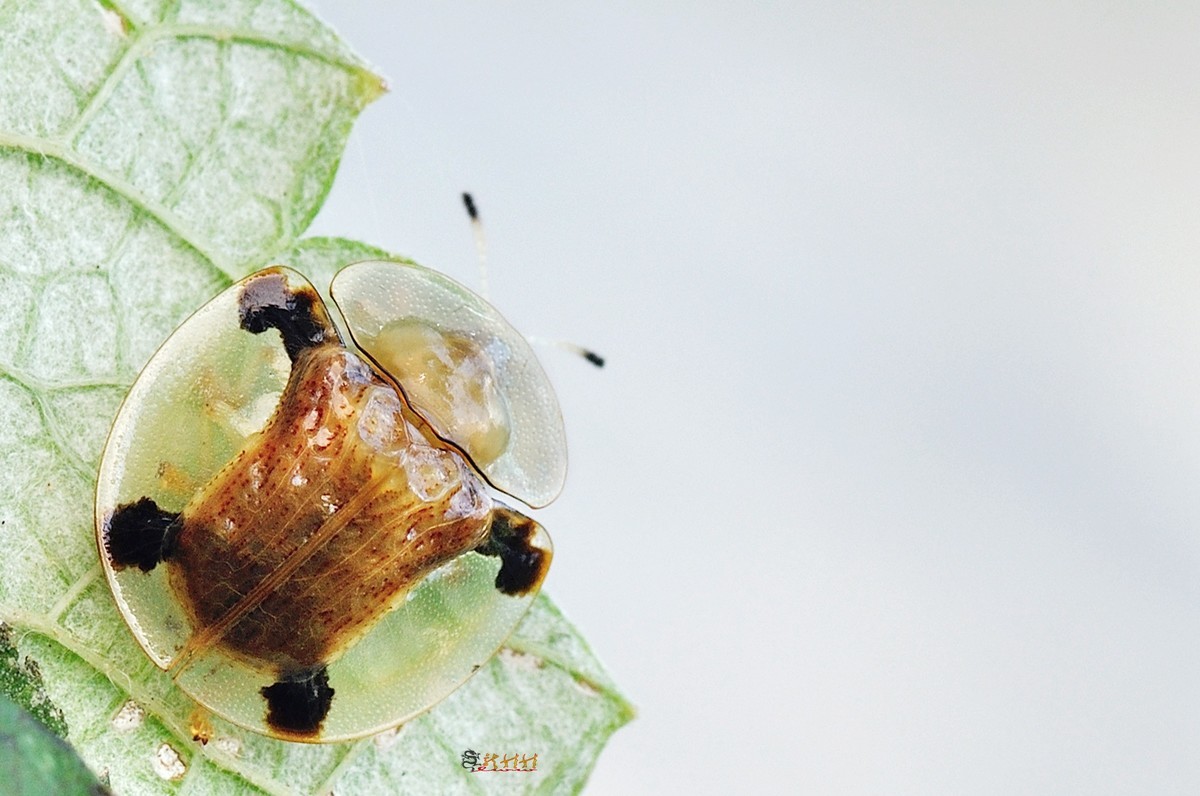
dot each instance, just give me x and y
(373, 293)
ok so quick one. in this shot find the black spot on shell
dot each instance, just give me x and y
(269, 302)
(298, 703)
(140, 534)
(522, 565)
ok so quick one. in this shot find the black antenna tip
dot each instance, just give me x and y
(594, 358)
(469, 203)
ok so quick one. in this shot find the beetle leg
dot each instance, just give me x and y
(299, 702)
(140, 534)
(523, 565)
(269, 302)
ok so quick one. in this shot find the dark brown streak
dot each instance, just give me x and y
(201, 641)
(269, 302)
(386, 528)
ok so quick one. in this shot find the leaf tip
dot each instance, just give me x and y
(369, 86)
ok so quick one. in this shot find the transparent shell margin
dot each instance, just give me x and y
(371, 294)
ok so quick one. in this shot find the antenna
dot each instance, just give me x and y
(481, 249)
(574, 348)
(480, 242)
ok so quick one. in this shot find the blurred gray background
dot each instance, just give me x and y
(890, 484)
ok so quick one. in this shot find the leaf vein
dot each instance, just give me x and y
(60, 444)
(165, 218)
(78, 587)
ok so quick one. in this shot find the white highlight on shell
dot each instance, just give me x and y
(321, 439)
(378, 426)
(429, 472)
(470, 500)
(257, 472)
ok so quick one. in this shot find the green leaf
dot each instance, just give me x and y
(150, 153)
(33, 761)
(21, 680)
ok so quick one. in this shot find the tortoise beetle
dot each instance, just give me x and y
(295, 520)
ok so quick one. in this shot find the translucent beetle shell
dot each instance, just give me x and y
(299, 530)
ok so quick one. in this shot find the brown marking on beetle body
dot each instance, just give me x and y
(268, 301)
(322, 522)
